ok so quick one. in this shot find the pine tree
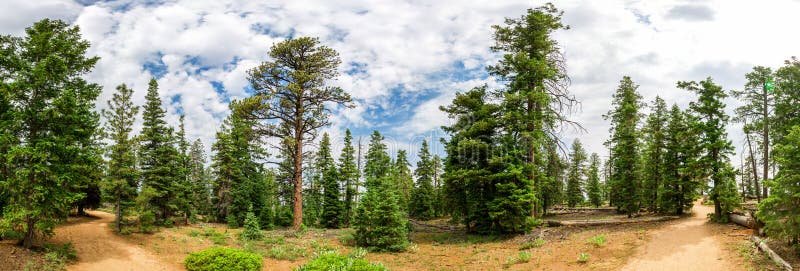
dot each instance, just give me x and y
(158, 157)
(348, 173)
(313, 204)
(653, 154)
(49, 129)
(122, 177)
(593, 189)
(183, 186)
(787, 99)
(576, 175)
(681, 170)
(536, 99)
(331, 200)
(757, 108)
(291, 93)
(240, 182)
(780, 211)
(199, 179)
(552, 190)
(423, 196)
(624, 144)
(403, 179)
(439, 196)
(710, 110)
(380, 223)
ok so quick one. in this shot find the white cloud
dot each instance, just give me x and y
(388, 44)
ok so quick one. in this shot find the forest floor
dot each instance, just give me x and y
(690, 243)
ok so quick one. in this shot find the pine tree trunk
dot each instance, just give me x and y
(119, 212)
(30, 233)
(766, 142)
(298, 176)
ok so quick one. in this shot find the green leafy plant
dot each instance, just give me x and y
(597, 240)
(65, 251)
(583, 257)
(223, 259)
(358, 253)
(538, 242)
(334, 261)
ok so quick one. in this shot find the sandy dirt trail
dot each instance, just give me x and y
(100, 249)
(687, 245)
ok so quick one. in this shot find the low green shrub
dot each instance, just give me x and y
(285, 252)
(147, 221)
(223, 259)
(538, 242)
(583, 257)
(232, 222)
(252, 231)
(64, 251)
(334, 261)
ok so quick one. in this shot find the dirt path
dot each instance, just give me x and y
(100, 249)
(687, 245)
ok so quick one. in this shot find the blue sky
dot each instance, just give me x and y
(401, 60)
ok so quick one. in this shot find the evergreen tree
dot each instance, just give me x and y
(576, 174)
(536, 99)
(624, 144)
(183, 185)
(48, 127)
(593, 189)
(331, 201)
(710, 110)
(199, 179)
(159, 158)
(121, 176)
(380, 223)
(423, 197)
(291, 93)
(403, 179)
(466, 177)
(787, 99)
(780, 211)
(682, 170)
(348, 173)
(653, 154)
(757, 108)
(439, 196)
(552, 189)
(240, 182)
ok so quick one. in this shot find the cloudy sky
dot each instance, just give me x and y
(402, 59)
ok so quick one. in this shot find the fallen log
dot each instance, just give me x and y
(744, 220)
(762, 245)
(586, 222)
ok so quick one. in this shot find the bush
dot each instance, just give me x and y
(284, 217)
(223, 259)
(146, 222)
(251, 229)
(232, 222)
(334, 261)
(583, 257)
(65, 251)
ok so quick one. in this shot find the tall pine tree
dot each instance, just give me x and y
(380, 222)
(48, 108)
(575, 179)
(423, 196)
(625, 175)
(348, 173)
(159, 158)
(329, 178)
(593, 185)
(121, 179)
(710, 110)
(653, 154)
(403, 179)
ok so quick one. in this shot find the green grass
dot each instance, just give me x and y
(536, 243)
(583, 257)
(285, 252)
